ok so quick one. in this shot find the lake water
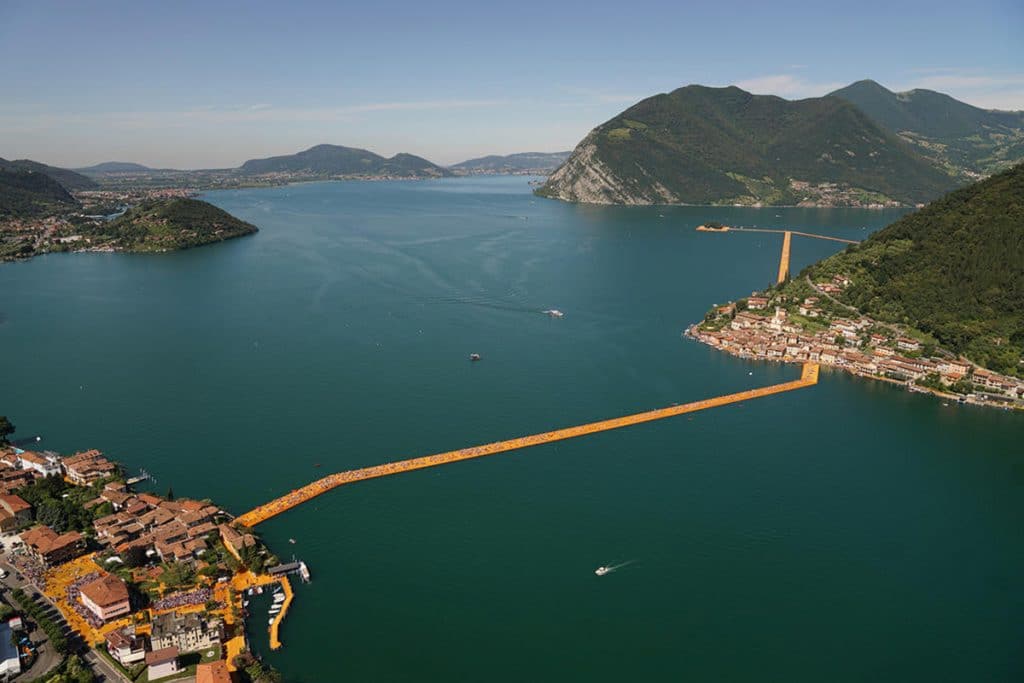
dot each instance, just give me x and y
(845, 532)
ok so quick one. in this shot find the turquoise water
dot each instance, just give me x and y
(846, 532)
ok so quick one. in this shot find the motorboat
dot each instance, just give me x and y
(554, 313)
(474, 356)
(601, 571)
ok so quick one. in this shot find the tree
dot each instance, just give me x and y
(6, 428)
(135, 556)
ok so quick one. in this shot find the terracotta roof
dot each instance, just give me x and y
(33, 457)
(161, 656)
(106, 591)
(14, 503)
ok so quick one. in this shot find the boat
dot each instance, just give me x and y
(292, 541)
(316, 464)
(601, 571)
(271, 622)
(474, 356)
(281, 596)
(554, 313)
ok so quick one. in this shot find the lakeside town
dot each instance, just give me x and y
(813, 326)
(145, 587)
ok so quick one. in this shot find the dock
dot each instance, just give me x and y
(808, 377)
(275, 627)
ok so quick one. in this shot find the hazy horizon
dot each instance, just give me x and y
(196, 86)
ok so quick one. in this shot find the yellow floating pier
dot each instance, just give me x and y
(808, 377)
(787, 240)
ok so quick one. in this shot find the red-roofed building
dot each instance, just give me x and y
(106, 597)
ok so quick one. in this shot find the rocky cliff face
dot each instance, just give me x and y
(584, 178)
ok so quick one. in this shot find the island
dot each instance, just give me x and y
(144, 586)
(39, 215)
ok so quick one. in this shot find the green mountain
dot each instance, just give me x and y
(114, 167)
(523, 162)
(700, 145)
(954, 269)
(164, 225)
(336, 161)
(70, 180)
(962, 137)
(29, 194)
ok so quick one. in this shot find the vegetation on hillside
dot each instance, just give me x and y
(162, 225)
(953, 133)
(30, 194)
(67, 179)
(954, 270)
(704, 145)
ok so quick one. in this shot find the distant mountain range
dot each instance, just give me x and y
(332, 161)
(69, 180)
(114, 167)
(523, 162)
(701, 145)
(962, 138)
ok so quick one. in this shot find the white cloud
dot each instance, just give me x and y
(789, 86)
(987, 90)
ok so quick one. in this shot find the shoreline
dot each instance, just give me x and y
(694, 333)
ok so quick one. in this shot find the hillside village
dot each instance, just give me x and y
(804, 321)
(154, 584)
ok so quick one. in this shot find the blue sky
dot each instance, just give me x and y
(195, 85)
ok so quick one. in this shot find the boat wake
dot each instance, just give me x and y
(609, 568)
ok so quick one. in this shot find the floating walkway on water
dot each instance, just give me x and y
(787, 240)
(727, 228)
(808, 377)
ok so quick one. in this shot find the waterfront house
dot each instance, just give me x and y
(185, 632)
(126, 647)
(952, 371)
(88, 466)
(162, 663)
(52, 548)
(46, 465)
(106, 597)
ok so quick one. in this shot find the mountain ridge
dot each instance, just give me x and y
(338, 161)
(702, 145)
(963, 138)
